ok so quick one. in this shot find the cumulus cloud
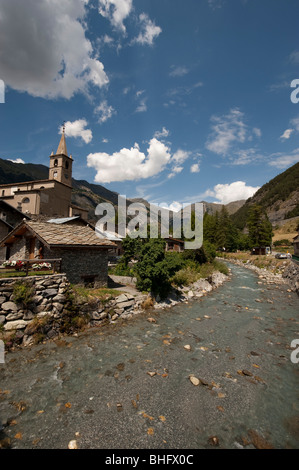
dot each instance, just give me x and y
(225, 193)
(195, 168)
(17, 160)
(104, 111)
(78, 129)
(226, 131)
(180, 156)
(130, 164)
(116, 11)
(149, 31)
(44, 50)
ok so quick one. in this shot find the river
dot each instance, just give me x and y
(127, 386)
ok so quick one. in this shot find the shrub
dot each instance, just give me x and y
(23, 293)
(185, 277)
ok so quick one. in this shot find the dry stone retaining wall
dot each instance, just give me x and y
(51, 302)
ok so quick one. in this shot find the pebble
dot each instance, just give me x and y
(73, 445)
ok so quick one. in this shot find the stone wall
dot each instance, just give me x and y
(291, 274)
(51, 303)
(83, 264)
(49, 296)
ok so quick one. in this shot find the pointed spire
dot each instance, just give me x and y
(62, 150)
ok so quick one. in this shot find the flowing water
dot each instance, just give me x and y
(95, 388)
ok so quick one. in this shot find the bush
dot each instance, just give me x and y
(23, 293)
(185, 277)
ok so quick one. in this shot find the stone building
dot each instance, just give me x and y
(9, 218)
(84, 256)
(51, 197)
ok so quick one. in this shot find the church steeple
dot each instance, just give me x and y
(62, 150)
(61, 164)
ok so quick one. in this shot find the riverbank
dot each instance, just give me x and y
(268, 268)
(81, 309)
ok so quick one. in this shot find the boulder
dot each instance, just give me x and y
(126, 305)
(121, 298)
(15, 325)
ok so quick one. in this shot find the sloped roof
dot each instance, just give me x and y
(64, 235)
(62, 220)
(112, 236)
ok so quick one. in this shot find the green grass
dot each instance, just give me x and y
(9, 274)
(89, 293)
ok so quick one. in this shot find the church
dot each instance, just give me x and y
(46, 198)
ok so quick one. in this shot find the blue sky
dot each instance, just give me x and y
(173, 101)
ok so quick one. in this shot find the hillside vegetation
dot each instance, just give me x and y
(279, 198)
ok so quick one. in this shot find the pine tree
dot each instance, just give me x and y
(259, 227)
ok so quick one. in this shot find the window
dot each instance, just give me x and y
(26, 200)
(56, 162)
(67, 165)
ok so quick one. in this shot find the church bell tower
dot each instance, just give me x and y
(61, 164)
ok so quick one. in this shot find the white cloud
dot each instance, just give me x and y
(149, 31)
(44, 50)
(294, 57)
(195, 168)
(226, 131)
(175, 171)
(142, 107)
(225, 193)
(181, 156)
(175, 206)
(78, 129)
(130, 164)
(295, 123)
(162, 134)
(282, 161)
(17, 160)
(116, 11)
(257, 132)
(287, 134)
(295, 128)
(245, 156)
(104, 111)
(179, 71)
